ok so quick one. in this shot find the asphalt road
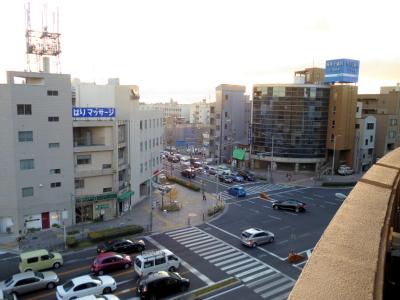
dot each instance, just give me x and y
(78, 264)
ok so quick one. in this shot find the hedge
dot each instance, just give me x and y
(215, 209)
(71, 241)
(106, 234)
(184, 183)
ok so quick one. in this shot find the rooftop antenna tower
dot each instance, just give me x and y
(42, 45)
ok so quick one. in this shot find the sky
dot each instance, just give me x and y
(183, 49)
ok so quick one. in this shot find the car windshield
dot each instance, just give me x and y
(8, 281)
(246, 234)
(175, 275)
(51, 255)
(68, 285)
(39, 274)
(138, 263)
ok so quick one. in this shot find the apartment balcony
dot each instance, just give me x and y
(358, 255)
(92, 173)
(84, 144)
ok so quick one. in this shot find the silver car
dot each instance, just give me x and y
(253, 237)
(26, 282)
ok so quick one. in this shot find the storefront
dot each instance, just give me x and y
(238, 158)
(124, 201)
(95, 207)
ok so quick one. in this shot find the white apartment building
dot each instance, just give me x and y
(36, 162)
(200, 113)
(135, 156)
(185, 112)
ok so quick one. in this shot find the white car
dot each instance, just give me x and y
(101, 297)
(85, 286)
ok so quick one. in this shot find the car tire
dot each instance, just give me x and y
(275, 207)
(72, 298)
(183, 288)
(254, 245)
(126, 266)
(172, 269)
(27, 270)
(50, 285)
(107, 290)
(271, 239)
(56, 265)
(100, 272)
(297, 209)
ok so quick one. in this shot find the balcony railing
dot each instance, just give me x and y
(84, 142)
(352, 259)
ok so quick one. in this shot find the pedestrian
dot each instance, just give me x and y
(204, 197)
(287, 176)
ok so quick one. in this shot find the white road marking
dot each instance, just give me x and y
(251, 271)
(181, 230)
(267, 207)
(250, 202)
(331, 203)
(270, 285)
(254, 210)
(262, 280)
(246, 279)
(282, 242)
(275, 291)
(224, 292)
(236, 264)
(230, 260)
(276, 218)
(220, 253)
(284, 227)
(254, 263)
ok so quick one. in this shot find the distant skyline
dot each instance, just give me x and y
(184, 49)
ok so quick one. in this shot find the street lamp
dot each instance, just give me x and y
(150, 198)
(334, 153)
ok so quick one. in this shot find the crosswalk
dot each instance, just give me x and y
(256, 189)
(263, 279)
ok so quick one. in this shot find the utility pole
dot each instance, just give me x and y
(272, 158)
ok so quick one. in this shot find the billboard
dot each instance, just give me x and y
(342, 70)
(93, 112)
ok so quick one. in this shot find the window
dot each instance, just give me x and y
(121, 153)
(157, 160)
(52, 93)
(154, 143)
(25, 136)
(154, 123)
(226, 114)
(332, 137)
(27, 192)
(158, 123)
(148, 264)
(55, 171)
(370, 151)
(154, 162)
(145, 145)
(150, 144)
(107, 189)
(160, 261)
(226, 97)
(334, 110)
(54, 119)
(44, 257)
(358, 108)
(172, 257)
(141, 168)
(84, 159)
(55, 184)
(24, 109)
(366, 141)
(141, 146)
(370, 125)
(32, 260)
(106, 166)
(26, 164)
(157, 142)
(54, 145)
(149, 123)
(145, 166)
(145, 124)
(392, 134)
(79, 183)
(371, 138)
(393, 122)
(141, 125)
(333, 123)
(357, 126)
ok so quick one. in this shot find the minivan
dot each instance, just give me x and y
(154, 261)
(38, 260)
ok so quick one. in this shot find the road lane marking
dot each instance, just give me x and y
(250, 202)
(267, 207)
(224, 292)
(285, 227)
(254, 210)
(282, 242)
(201, 276)
(276, 218)
(331, 203)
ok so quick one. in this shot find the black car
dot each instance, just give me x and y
(291, 204)
(247, 175)
(121, 246)
(161, 284)
(188, 173)
(225, 178)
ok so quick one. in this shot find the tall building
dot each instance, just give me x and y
(185, 112)
(289, 125)
(37, 169)
(200, 113)
(229, 121)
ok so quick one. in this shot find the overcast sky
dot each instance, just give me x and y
(183, 49)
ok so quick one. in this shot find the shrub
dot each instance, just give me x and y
(184, 183)
(106, 234)
(72, 232)
(71, 241)
(56, 226)
(215, 209)
(173, 206)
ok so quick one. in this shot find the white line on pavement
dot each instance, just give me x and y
(331, 203)
(201, 276)
(282, 242)
(225, 292)
(267, 207)
(284, 227)
(276, 218)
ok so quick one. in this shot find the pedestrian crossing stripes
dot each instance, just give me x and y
(257, 189)
(263, 279)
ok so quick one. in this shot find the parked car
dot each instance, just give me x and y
(173, 159)
(7, 296)
(237, 191)
(154, 261)
(122, 246)
(236, 177)
(291, 204)
(161, 284)
(225, 178)
(110, 261)
(85, 286)
(345, 170)
(98, 297)
(189, 173)
(247, 175)
(212, 170)
(39, 260)
(26, 282)
(253, 237)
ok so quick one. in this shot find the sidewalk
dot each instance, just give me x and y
(193, 212)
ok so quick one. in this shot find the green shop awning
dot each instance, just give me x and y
(91, 198)
(125, 196)
(239, 154)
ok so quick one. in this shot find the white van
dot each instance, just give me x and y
(156, 260)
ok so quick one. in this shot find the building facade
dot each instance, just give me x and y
(289, 126)
(364, 154)
(37, 169)
(200, 113)
(229, 121)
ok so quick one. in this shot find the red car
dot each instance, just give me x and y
(110, 261)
